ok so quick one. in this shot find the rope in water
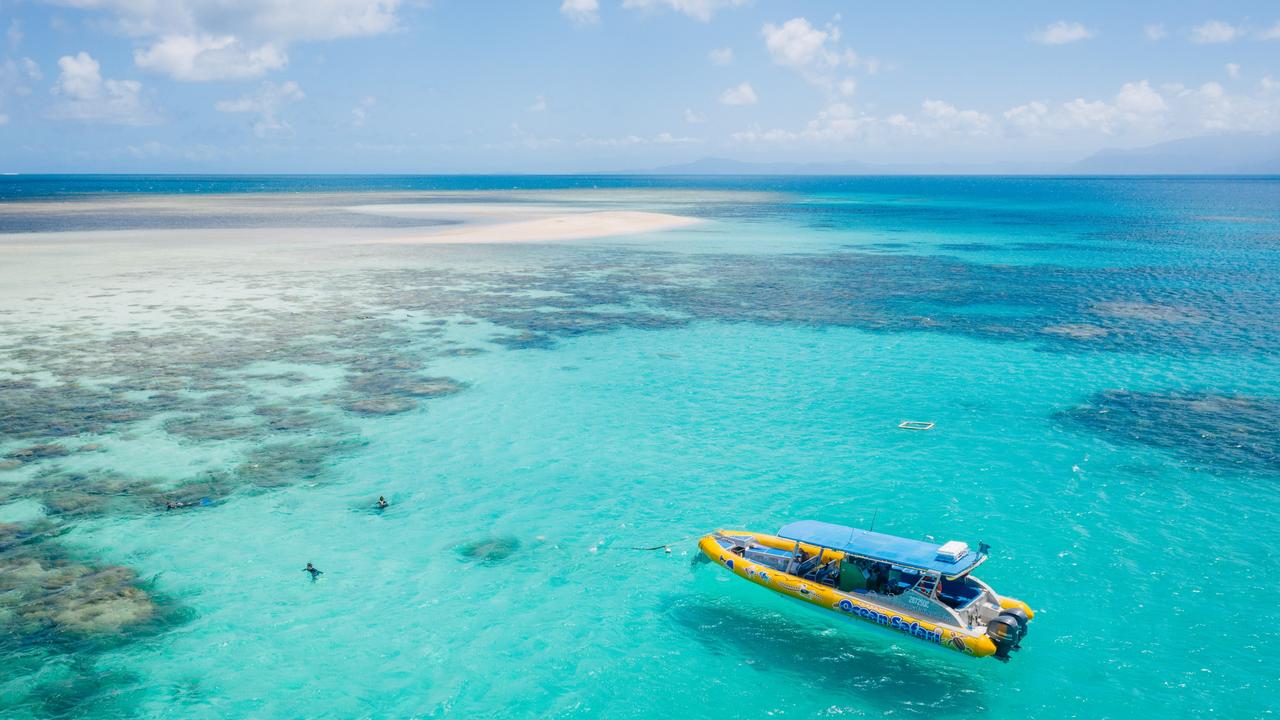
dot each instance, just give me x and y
(667, 546)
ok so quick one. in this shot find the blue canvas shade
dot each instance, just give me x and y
(878, 546)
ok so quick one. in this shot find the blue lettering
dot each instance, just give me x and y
(914, 629)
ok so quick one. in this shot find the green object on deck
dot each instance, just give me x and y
(851, 577)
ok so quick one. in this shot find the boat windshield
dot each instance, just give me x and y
(769, 557)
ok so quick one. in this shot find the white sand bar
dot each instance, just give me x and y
(558, 227)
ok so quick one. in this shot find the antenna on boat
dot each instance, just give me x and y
(873, 519)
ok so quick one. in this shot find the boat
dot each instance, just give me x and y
(919, 589)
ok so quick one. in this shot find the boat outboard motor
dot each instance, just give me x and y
(1007, 631)
(1004, 631)
(1020, 615)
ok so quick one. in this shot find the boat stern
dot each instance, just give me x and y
(1007, 629)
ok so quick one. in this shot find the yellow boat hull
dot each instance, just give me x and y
(846, 604)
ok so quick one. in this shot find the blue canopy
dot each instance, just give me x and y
(878, 546)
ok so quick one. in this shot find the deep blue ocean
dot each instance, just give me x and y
(1100, 357)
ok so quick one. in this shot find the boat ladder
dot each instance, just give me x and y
(926, 585)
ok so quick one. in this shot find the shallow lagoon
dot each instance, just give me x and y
(534, 412)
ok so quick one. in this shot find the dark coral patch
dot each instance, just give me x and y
(38, 452)
(44, 591)
(390, 392)
(380, 405)
(491, 549)
(1235, 432)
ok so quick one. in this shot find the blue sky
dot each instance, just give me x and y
(591, 85)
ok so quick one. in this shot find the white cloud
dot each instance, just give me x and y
(721, 56)
(1209, 108)
(936, 119)
(1137, 106)
(1233, 70)
(1155, 31)
(664, 138)
(539, 104)
(283, 19)
(1061, 33)
(624, 141)
(696, 9)
(816, 54)
(14, 33)
(4, 119)
(841, 122)
(1215, 31)
(205, 57)
(797, 43)
(236, 39)
(742, 94)
(84, 95)
(360, 112)
(1138, 110)
(267, 102)
(1027, 119)
(694, 118)
(943, 117)
(1139, 98)
(1271, 33)
(583, 12)
(757, 135)
(1153, 114)
(838, 122)
(16, 77)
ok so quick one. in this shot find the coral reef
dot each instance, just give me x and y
(43, 590)
(1232, 432)
(491, 549)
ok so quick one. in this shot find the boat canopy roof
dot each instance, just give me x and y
(878, 546)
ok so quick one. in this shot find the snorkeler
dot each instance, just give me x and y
(314, 572)
(382, 503)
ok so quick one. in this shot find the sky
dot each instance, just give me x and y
(410, 86)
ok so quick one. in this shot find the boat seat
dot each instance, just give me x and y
(826, 573)
(808, 566)
(900, 582)
(958, 594)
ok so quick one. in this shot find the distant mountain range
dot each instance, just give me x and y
(1205, 155)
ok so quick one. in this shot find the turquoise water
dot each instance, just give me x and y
(1099, 356)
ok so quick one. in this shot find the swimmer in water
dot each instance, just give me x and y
(382, 503)
(314, 572)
